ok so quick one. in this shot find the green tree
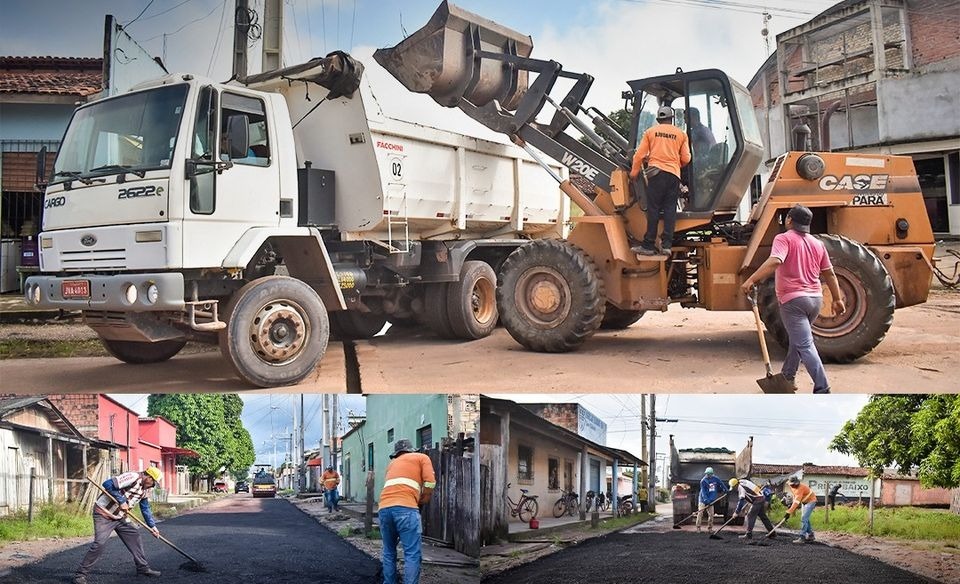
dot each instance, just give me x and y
(210, 425)
(910, 432)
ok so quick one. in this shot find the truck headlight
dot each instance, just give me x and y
(33, 294)
(152, 294)
(46, 242)
(131, 293)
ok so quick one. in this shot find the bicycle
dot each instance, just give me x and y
(603, 502)
(526, 508)
(567, 503)
(625, 506)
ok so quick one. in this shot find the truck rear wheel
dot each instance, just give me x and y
(869, 296)
(435, 313)
(550, 296)
(139, 353)
(354, 325)
(616, 319)
(277, 331)
(472, 302)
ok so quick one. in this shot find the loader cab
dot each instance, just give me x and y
(717, 115)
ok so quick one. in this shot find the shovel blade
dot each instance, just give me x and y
(776, 384)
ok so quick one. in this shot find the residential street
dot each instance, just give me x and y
(681, 350)
(686, 557)
(237, 539)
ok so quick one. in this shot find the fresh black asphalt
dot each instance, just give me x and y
(690, 558)
(239, 540)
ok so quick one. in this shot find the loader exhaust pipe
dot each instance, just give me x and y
(460, 55)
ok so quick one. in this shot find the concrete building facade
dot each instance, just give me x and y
(874, 76)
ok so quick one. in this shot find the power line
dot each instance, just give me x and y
(216, 44)
(139, 15)
(162, 12)
(353, 23)
(194, 21)
(732, 6)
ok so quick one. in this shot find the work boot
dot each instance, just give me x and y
(79, 579)
(747, 535)
(799, 540)
(811, 538)
(640, 249)
(666, 250)
(698, 529)
(148, 572)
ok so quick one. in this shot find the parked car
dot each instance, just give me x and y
(264, 485)
(241, 487)
(220, 487)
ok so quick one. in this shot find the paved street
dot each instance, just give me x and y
(237, 539)
(685, 557)
(691, 351)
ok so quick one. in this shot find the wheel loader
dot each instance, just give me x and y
(554, 294)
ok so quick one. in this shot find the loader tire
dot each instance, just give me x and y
(868, 293)
(472, 302)
(277, 331)
(351, 325)
(616, 319)
(550, 296)
(141, 353)
(435, 313)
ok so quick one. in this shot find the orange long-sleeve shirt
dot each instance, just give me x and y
(667, 147)
(330, 479)
(802, 494)
(409, 481)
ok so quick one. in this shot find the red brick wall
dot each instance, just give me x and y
(80, 410)
(934, 30)
(563, 415)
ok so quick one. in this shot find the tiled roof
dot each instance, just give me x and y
(80, 76)
(782, 469)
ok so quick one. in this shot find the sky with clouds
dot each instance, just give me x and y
(614, 40)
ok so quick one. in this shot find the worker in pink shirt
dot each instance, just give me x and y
(800, 261)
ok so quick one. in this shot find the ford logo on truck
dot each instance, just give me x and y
(135, 192)
(88, 240)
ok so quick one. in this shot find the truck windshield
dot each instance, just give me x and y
(130, 133)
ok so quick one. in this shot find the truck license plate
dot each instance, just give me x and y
(75, 288)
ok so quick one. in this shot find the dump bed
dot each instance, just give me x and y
(397, 179)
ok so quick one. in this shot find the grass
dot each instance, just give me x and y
(345, 532)
(374, 533)
(620, 522)
(57, 520)
(35, 349)
(909, 523)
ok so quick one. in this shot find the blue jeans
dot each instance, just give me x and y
(797, 316)
(331, 499)
(806, 530)
(401, 525)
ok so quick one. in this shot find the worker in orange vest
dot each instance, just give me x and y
(331, 480)
(408, 483)
(805, 497)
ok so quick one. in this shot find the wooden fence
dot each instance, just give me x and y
(452, 515)
(493, 512)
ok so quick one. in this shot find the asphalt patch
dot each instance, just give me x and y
(690, 558)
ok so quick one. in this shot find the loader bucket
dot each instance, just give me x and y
(443, 60)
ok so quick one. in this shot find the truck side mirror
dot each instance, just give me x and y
(41, 179)
(238, 136)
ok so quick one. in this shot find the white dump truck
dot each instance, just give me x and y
(262, 215)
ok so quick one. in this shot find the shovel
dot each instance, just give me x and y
(193, 565)
(771, 383)
(729, 521)
(773, 531)
(694, 514)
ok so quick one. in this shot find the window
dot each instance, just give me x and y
(425, 437)
(524, 464)
(712, 140)
(390, 435)
(568, 475)
(203, 184)
(370, 456)
(553, 474)
(253, 111)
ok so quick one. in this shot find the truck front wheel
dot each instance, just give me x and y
(550, 296)
(277, 331)
(869, 297)
(139, 353)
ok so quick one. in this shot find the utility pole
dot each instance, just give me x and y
(326, 423)
(652, 485)
(301, 469)
(334, 430)
(241, 28)
(643, 439)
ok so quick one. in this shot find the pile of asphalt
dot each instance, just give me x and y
(692, 558)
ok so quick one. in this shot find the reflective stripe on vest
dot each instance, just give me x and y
(406, 482)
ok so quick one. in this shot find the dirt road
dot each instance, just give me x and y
(680, 351)
(689, 558)
(238, 539)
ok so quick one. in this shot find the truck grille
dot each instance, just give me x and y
(94, 259)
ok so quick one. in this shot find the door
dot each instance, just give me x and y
(595, 475)
(903, 495)
(236, 184)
